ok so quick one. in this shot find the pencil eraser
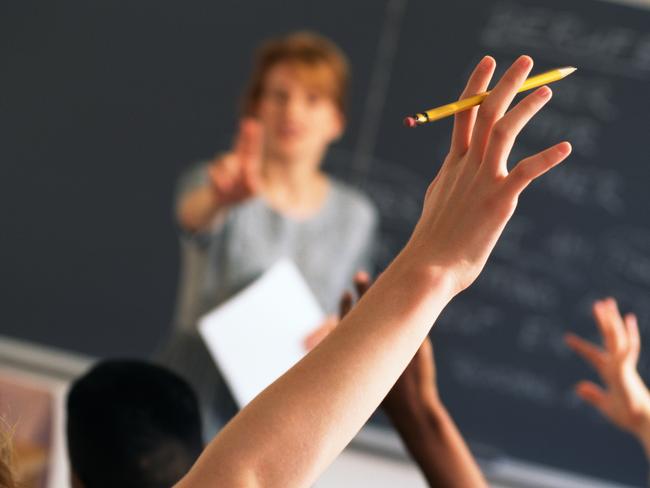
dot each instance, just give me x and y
(409, 122)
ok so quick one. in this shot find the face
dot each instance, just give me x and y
(299, 121)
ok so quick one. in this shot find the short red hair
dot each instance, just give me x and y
(317, 61)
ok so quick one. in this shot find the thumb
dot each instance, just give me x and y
(592, 394)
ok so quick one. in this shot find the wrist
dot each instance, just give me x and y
(421, 273)
(425, 433)
(642, 433)
(436, 416)
(419, 417)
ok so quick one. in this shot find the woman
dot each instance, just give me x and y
(267, 198)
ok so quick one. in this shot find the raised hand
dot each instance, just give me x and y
(625, 399)
(307, 416)
(474, 195)
(428, 431)
(235, 176)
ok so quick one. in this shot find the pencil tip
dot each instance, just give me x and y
(567, 70)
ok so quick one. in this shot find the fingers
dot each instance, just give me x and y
(248, 144)
(591, 353)
(224, 173)
(600, 317)
(496, 104)
(464, 121)
(361, 283)
(248, 149)
(610, 324)
(345, 305)
(618, 326)
(533, 167)
(632, 329)
(236, 175)
(592, 394)
(506, 130)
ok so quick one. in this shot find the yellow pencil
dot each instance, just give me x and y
(467, 103)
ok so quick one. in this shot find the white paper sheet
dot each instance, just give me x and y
(259, 334)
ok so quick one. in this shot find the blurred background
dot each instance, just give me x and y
(103, 105)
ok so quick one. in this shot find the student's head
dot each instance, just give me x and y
(298, 91)
(131, 424)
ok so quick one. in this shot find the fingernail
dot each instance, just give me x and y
(525, 61)
(544, 92)
(486, 62)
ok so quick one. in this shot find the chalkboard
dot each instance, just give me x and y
(103, 104)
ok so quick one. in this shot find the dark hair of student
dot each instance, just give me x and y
(132, 424)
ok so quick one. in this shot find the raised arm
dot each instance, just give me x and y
(421, 419)
(625, 400)
(427, 429)
(232, 178)
(294, 429)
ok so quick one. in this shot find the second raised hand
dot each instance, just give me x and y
(625, 400)
(473, 196)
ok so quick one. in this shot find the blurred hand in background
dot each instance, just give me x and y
(624, 400)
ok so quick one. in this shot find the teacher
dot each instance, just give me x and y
(267, 198)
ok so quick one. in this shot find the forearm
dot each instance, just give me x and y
(297, 426)
(433, 440)
(198, 209)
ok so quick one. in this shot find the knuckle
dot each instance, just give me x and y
(486, 112)
(493, 202)
(524, 170)
(533, 102)
(546, 159)
(514, 81)
(501, 131)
